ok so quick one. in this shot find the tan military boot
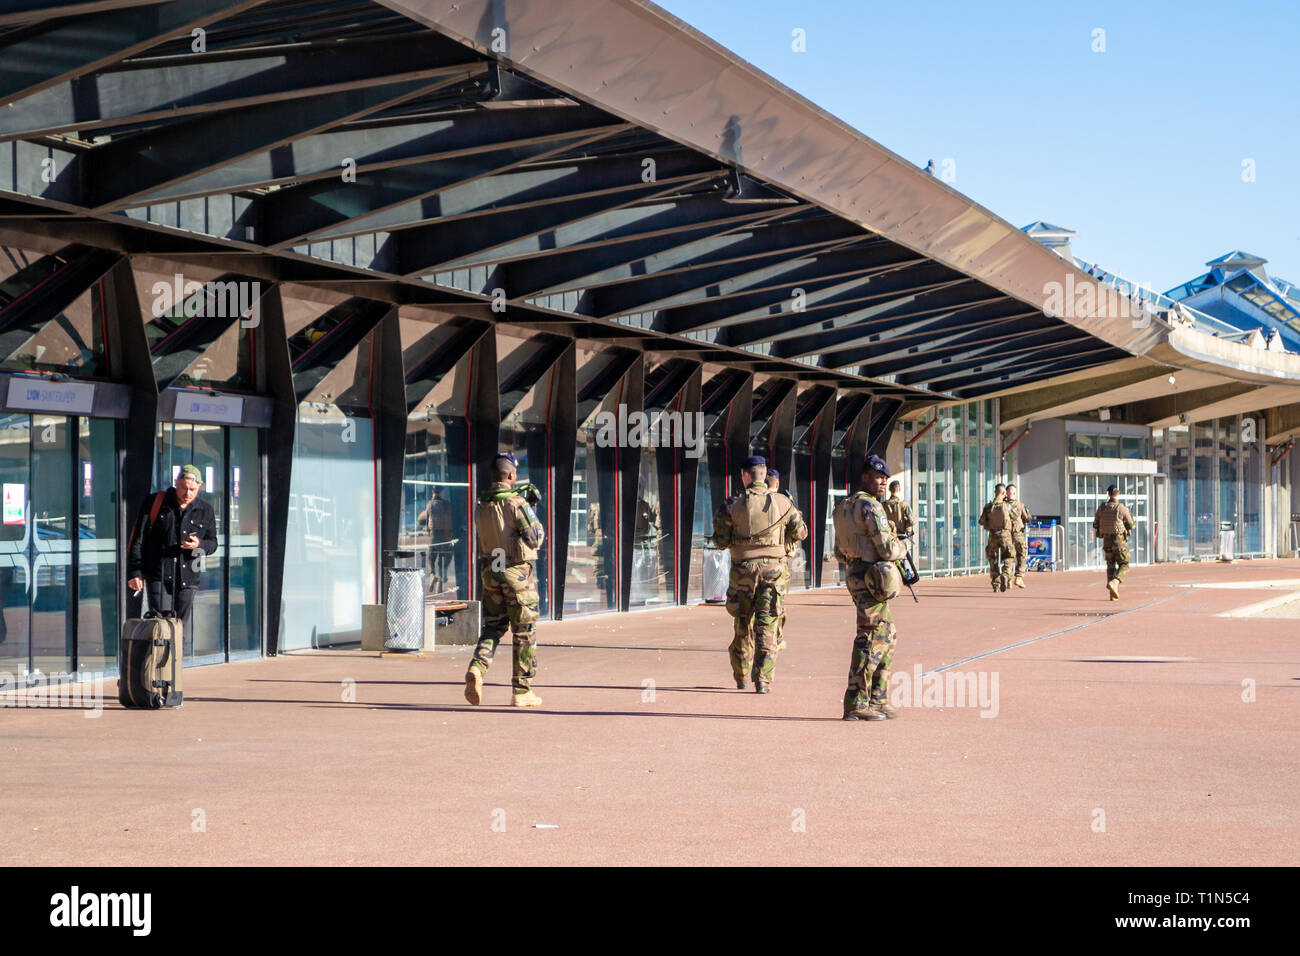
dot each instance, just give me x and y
(1020, 582)
(474, 686)
(888, 709)
(1113, 587)
(525, 698)
(865, 713)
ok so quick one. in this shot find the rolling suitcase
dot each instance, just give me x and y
(149, 665)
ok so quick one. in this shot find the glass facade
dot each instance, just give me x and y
(58, 545)
(1215, 482)
(1086, 493)
(227, 606)
(330, 564)
(951, 472)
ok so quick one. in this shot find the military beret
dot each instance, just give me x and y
(876, 463)
(506, 456)
(753, 461)
(1111, 488)
(773, 473)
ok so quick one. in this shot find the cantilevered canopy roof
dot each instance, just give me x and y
(594, 166)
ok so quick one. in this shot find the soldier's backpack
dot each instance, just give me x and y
(998, 517)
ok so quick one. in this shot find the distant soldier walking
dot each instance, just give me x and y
(899, 514)
(758, 525)
(1113, 524)
(509, 535)
(1020, 518)
(997, 521)
(865, 543)
(774, 484)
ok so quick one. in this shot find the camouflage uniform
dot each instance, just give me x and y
(1113, 524)
(790, 548)
(1020, 518)
(865, 543)
(758, 526)
(997, 520)
(507, 522)
(899, 515)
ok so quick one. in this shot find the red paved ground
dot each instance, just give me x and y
(1137, 712)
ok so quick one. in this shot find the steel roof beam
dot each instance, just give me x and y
(835, 259)
(60, 49)
(487, 239)
(878, 322)
(735, 232)
(167, 163)
(169, 88)
(1004, 362)
(521, 277)
(451, 190)
(23, 11)
(888, 284)
(966, 349)
(925, 324)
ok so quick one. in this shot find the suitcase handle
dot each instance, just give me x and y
(159, 642)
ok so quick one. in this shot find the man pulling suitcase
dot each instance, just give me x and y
(173, 527)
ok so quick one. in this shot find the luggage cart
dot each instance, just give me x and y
(1046, 545)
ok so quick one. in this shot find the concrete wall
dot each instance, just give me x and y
(1040, 458)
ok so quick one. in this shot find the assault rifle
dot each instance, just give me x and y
(908, 569)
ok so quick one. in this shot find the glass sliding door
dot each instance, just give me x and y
(52, 528)
(58, 545)
(244, 508)
(15, 542)
(96, 543)
(227, 606)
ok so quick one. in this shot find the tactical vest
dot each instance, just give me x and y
(998, 519)
(1108, 519)
(1017, 517)
(849, 538)
(758, 520)
(499, 524)
(894, 509)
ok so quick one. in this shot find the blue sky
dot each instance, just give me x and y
(1140, 148)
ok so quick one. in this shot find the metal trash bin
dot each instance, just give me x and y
(403, 601)
(717, 575)
(1227, 545)
(404, 610)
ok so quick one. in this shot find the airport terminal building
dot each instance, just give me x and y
(338, 254)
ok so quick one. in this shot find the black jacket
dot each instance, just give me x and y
(154, 545)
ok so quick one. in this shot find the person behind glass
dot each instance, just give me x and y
(175, 525)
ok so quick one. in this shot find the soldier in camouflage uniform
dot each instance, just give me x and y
(1020, 518)
(509, 535)
(757, 525)
(774, 484)
(865, 543)
(899, 514)
(1113, 524)
(997, 521)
